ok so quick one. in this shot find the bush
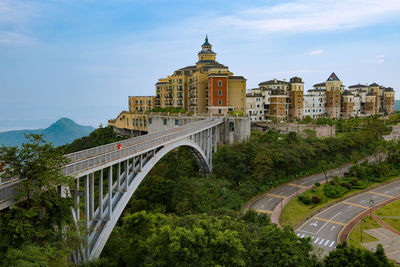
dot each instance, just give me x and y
(346, 185)
(332, 190)
(305, 199)
(317, 184)
(315, 200)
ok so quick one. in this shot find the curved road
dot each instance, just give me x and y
(325, 227)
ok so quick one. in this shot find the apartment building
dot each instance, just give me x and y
(207, 87)
(255, 105)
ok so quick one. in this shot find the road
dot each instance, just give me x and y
(324, 228)
(270, 201)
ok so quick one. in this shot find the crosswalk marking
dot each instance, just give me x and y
(333, 242)
(298, 234)
(327, 241)
(320, 242)
(302, 235)
(316, 240)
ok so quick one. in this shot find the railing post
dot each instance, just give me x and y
(87, 211)
(110, 193)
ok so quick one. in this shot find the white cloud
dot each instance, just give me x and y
(14, 38)
(314, 15)
(316, 52)
(380, 59)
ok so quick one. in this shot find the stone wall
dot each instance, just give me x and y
(300, 129)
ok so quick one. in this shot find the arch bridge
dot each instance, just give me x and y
(108, 175)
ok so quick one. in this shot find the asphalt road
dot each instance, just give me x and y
(324, 227)
(267, 202)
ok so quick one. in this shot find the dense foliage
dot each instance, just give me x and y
(36, 230)
(100, 136)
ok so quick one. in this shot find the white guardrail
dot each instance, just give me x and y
(155, 140)
(95, 151)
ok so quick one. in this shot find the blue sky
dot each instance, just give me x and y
(82, 58)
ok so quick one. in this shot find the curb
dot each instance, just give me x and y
(345, 231)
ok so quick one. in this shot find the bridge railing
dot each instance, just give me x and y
(92, 152)
(157, 140)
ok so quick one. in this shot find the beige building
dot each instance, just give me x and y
(277, 109)
(333, 99)
(370, 107)
(388, 100)
(347, 104)
(141, 103)
(207, 87)
(130, 123)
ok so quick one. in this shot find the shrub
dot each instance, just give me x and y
(346, 185)
(305, 199)
(333, 191)
(315, 200)
(317, 184)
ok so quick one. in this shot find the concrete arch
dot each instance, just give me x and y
(201, 160)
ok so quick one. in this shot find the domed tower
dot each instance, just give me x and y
(206, 54)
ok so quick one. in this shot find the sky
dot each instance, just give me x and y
(81, 59)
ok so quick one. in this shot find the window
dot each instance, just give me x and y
(165, 121)
(137, 123)
(144, 121)
(219, 83)
(149, 120)
(219, 92)
(299, 93)
(141, 122)
(176, 122)
(219, 102)
(220, 111)
(231, 126)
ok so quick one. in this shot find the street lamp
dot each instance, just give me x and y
(362, 221)
(371, 204)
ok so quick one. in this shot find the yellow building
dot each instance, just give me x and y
(206, 87)
(388, 100)
(141, 103)
(334, 88)
(375, 89)
(130, 123)
(347, 104)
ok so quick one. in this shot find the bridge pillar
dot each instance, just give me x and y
(101, 195)
(110, 193)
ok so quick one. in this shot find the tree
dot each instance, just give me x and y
(41, 218)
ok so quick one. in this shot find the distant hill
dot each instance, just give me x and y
(59, 133)
(397, 105)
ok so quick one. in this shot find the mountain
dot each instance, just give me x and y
(397, 105)
(59, 133)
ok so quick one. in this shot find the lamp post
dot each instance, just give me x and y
(371, 204)
(362, 221)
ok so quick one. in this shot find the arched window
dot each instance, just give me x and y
(219, 83)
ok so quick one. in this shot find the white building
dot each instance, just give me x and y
(255, 105)
(314, 103)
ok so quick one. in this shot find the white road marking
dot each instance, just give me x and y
(333, 242)
(320, 242)
(387, 191)
(327, 241)
(333, 227)
(316, 240)
(262, 206)
(314, 223)
(362, 201)
(307, 232)
(328, 222)
(269, 199)
(302, 235)
(298, 234)
(349, 207)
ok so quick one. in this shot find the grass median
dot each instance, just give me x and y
(355, 234)
(390, 214)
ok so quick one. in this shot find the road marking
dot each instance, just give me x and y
(326, 243)
(264, 211)
(333, 227)
(262, 206)
(297, 185)
(380, 194)
(355, 205)
(307, 232)
(333, 242)
(276, 196)
(298, 234)
(316, 240)
(314, 223)
(326, 220)
(302, 235)
(320, 242)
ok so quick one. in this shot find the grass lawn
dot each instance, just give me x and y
(295, 211)
(389, 211)
(355, 235)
